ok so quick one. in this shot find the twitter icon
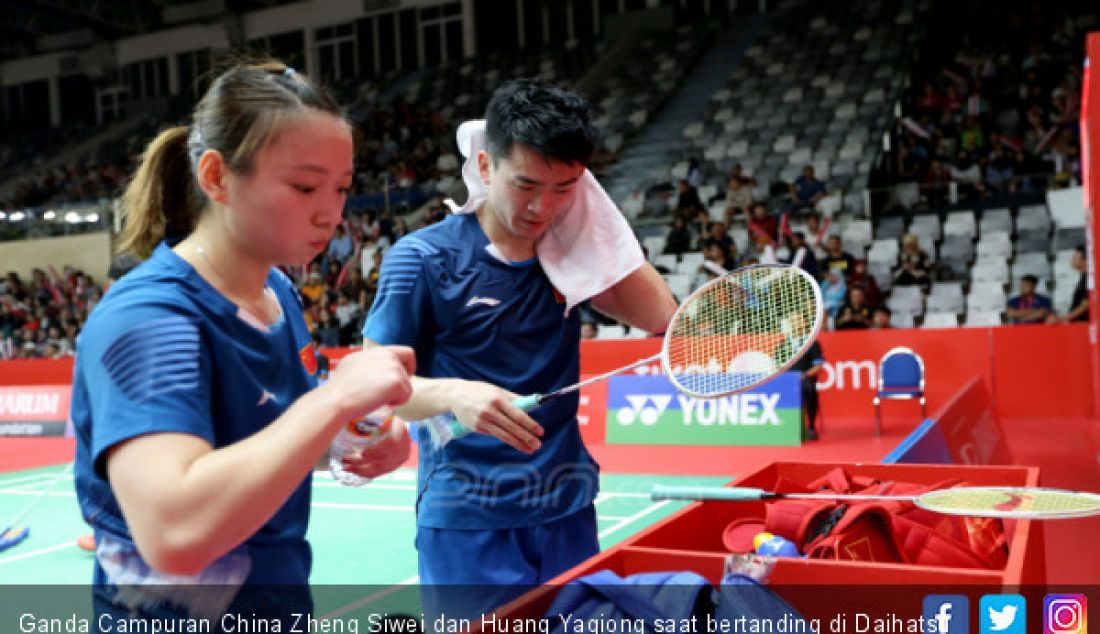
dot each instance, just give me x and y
(1003, 614)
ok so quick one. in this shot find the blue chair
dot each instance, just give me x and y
(900, 377)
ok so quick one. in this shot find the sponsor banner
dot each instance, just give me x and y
(34, 410)
(648, 410)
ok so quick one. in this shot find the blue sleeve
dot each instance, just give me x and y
(1042, 301)
(402, 306)
(147, 370)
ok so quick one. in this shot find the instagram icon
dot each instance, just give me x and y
(1065, 614)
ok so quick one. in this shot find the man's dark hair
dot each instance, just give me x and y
(1030, 278)
(553, 121)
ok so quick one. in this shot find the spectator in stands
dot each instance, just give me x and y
(1079, 304)
(809, 366)
(762, 224)
(715, 260)
(678, 240)
(313, 290)
(815, 233)
(881, 319)
(356, 288)
(802, 255)
(837, 258)
(716, 234)
(912, 268)
(861, 279)
(738, 199)
(855, 313)
(695, 173)
(688, 203)
(328, 328)
(1028, 307)
(834, 290)
(589, 330)
(737, 172)
(806, 191)
(935, 183)
(340, 246)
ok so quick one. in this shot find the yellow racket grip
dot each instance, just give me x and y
(736, 494)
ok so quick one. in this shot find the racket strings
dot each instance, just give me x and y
(740, 329)
(1009, 502)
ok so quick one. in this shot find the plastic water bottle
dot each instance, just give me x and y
(352, 440)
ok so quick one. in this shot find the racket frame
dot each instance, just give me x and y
(819, 320)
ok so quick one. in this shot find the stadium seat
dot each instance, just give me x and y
(940, 320)
(960, 223)
(1067, 207)
(945, 304)
(996, 220)
(900, 377)
(983, 318)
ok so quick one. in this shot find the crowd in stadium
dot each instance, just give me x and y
(994, 118)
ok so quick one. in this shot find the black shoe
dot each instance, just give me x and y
(810, 435)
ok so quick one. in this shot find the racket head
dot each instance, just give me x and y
(1011, 502)
(742, 329)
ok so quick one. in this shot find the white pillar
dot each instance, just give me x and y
(313, 65)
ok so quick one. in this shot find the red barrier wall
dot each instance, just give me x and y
(1090, 174)
(1030, 371)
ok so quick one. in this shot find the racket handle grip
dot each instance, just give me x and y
(446, 427)
(736, 494)
(527, 403)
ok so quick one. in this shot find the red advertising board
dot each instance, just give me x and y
(34, 410)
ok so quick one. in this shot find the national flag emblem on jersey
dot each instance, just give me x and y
(308, 355)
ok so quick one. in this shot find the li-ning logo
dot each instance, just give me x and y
(638, 410)
(487, 301)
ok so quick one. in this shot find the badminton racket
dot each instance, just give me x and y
(13, 534)
(976, 501)
(732, 334)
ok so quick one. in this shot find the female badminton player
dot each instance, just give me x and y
(195, 404)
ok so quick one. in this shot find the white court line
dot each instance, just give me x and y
(33, 493)
(611, 518)
(40, 551)
(36, 478)
(633, 518)
(367, 600)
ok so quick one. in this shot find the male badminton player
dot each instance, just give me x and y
(475, 296)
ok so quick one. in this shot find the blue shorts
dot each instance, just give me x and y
(466, 573)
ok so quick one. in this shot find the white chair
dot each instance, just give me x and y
(669, 261)
(983, 318)
(990, 271)
(691, 260)
(961, 223)
(679, 284)
(1033, 218)
(858, 232)
(611, 332)
(1035, 264)
(945, 303)
(901, 320)
(999, 219)
(927, 225)
(655, 246)
(940, 320)
(906, 299)
(1067, 207)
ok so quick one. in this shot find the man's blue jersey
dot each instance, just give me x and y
(165, 352)
(470, 315)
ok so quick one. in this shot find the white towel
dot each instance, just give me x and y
(589, 248)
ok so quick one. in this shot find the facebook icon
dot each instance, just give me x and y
(947, 614)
